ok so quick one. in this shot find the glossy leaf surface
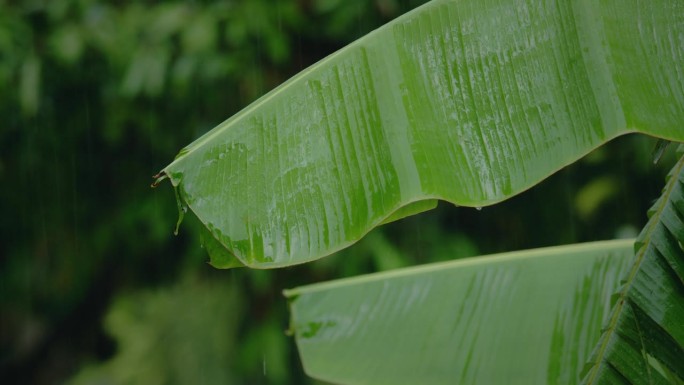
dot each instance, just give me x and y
(467, 101)
(644, 340)
(528, 317)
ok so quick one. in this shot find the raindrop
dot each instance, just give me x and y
(478, 208)
(264, 361)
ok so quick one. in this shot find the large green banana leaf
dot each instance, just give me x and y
(468, 101)
(643, 342)
(518, 318)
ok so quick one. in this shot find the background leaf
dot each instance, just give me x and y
(178, 336)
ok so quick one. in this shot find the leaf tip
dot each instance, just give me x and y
(158, 178)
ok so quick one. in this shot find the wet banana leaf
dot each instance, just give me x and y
(467, 101)
(524, 318)
(644, 340)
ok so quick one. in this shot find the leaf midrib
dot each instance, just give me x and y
(622, 299)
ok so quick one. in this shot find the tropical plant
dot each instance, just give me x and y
(472, 103)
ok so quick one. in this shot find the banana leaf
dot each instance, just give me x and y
(643, 342)
(526, 318)
(467, 101)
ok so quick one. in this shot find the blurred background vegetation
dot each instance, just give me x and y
(97, 96)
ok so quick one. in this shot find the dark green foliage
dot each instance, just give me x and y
(152, 332)
(644, 340)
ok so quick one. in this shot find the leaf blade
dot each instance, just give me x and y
(463, 101)
(469, 321)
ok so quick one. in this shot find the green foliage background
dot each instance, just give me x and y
(97, 96)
